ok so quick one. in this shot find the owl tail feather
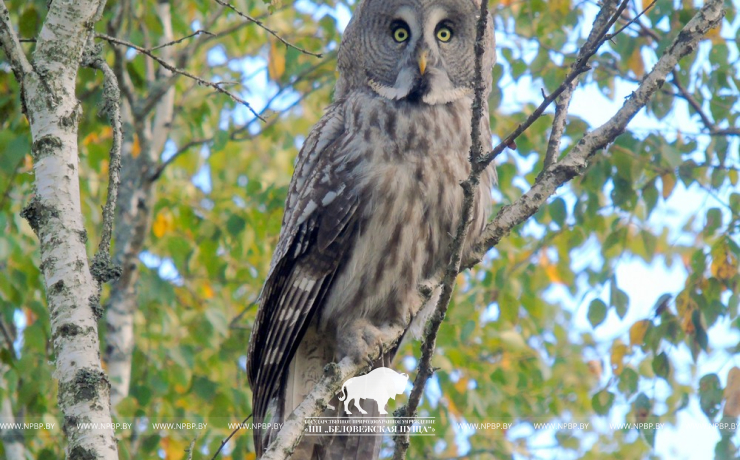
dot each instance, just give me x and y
(306, 369)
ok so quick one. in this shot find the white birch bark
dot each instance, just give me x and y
(54, 212)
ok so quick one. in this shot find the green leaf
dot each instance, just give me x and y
(602, 402)
(714, 221)
(596, 312)
(235, 225)
(29, 22)
(701, 334)
(628, 380)
(661, 365)
(558, 212)
(710, 395)
(618, 299)
(466, 331)
(220, 140)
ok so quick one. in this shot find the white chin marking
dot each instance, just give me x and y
(446, 95)
(439, 96)
(388, 92)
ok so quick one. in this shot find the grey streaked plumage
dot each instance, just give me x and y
(372, 205)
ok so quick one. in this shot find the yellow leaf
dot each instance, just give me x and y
(637, 332)
(617, 356)
(551, 270)
(452, 407)
(636, 64)
(553, 275)
(276, 66)
(724, 267)
(733, 175)
(669, 182)
(27, 164)
(505, 361)
(461, 385)
(136, 147)
(162, 224)
(732, 393)
(174, 449)
(714, 35)
(687, 323)
(207, 291)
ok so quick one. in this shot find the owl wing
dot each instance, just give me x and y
(315, 236)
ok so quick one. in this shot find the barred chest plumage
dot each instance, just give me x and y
(408, 159)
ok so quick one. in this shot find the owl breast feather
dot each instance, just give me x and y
(408, 160)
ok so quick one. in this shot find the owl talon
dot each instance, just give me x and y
(361, 342)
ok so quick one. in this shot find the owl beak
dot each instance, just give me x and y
(423, 61)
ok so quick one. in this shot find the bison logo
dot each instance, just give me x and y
(380, 384)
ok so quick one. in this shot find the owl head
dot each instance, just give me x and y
(421, 51)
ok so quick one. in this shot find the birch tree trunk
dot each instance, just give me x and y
(54, 213)
(133, 216)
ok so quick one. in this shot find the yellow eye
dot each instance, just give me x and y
(401, 34)
(444, 34)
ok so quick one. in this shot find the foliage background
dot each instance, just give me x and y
(543, 331)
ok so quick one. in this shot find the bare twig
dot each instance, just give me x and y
(267, 29)
(596, 39)
(162, 166)
(601, 23)
(102, 268)
(225, 441)
(217, 85)
(233, 136)
(631, 21)
(558, 125)
(692, 102)
(12, 47)
(180, 40)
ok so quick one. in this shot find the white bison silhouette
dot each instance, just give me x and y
(380, 384)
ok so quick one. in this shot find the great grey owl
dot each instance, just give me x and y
(372, 206)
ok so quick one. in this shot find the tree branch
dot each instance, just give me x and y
(597, 38)
(225, 441)
(102, 268)
(233, 136)
(575, 163)
(12, 47)
(267, 29)
(601, 23)
(180, 40)
(708, 123)
(334, 375)
(217, 86)
(631, 21)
